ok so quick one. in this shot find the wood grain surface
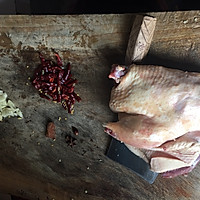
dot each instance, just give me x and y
(140, 38)
(36, 167)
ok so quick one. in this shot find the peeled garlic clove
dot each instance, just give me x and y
(7, 112)
(7, 107)
(11, 104)
(3, 97)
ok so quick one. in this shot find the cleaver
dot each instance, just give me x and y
(138, 46)
(118, 152)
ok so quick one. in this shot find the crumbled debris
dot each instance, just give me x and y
(71, 141)
(84, 152)
(86, 191)
(75, 130)
(51, 133)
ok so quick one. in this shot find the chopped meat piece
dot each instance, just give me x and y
(139, 131)
(185, 148)
(182, 153)
(180, 171)
(117, 72)
(158, 116)
(155, 90)
(163, 164)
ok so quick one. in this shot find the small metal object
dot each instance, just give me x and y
(120, 153)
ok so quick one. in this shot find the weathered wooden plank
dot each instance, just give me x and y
(140, 38)
(176, 40)
(30, 163)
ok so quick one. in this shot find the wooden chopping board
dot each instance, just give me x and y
(35, 167)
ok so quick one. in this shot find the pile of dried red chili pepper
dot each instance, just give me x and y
(54, 82)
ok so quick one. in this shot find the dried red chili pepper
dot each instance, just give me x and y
(51, 133)
(75, 130)
(70, 140)
(56, 83)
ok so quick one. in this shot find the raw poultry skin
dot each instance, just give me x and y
(158, 116)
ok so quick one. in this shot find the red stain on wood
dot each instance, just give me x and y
(182, 193)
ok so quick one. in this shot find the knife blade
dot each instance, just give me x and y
(118, 152)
